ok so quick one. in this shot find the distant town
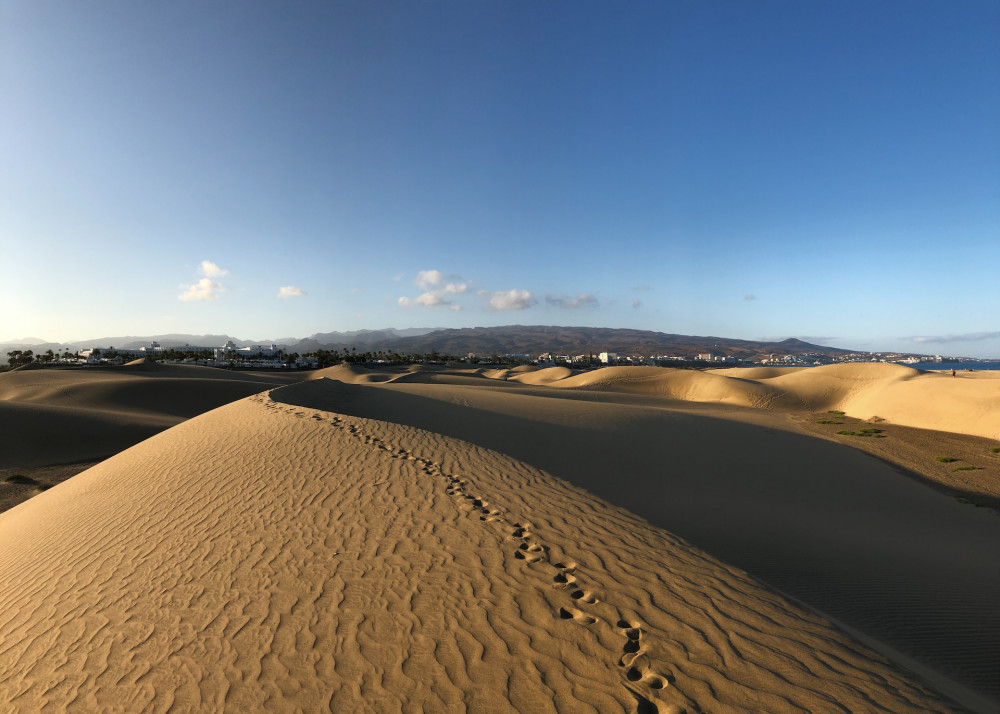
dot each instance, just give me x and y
(271, 356)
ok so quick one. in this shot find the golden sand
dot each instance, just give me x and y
(495, 541)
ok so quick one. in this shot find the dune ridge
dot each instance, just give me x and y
(268, 556)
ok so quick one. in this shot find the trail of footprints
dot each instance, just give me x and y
(642, 682)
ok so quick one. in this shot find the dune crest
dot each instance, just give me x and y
(269, 556)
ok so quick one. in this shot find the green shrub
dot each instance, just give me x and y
(828, 421)
(944, 459)
(835, 412)
(964, 468)
(995, 450)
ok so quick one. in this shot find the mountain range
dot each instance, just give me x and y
(483, 341)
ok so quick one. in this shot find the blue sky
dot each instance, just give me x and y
(827, 170)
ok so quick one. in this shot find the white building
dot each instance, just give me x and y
(230, 350)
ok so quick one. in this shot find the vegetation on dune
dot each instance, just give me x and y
(877, 433)
(835, 412)
(828, 421)
(945, 459)
(966, 468)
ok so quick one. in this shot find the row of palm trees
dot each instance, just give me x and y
(19, 358)
(322, 357)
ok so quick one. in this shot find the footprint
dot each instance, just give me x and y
(576, 615)
(645, 706)
(630, 651)
(564, 579)
(655, 681)
(583, 596)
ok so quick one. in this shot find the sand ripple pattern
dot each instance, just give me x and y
(270, 557)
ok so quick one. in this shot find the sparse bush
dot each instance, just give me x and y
(828, 421)
(835, 412)
(877, 433)
(995, 450)
(964, 468)
(944, 459)
(21, 480)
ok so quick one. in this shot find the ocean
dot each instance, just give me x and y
(957, 366)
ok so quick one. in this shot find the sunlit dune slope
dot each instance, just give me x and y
(682, 384)
(966, 403)
(272, 557)
(543, 376)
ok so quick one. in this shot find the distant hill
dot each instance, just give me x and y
(484, 341)
(356, 338)
(362, 340)
(535, 339)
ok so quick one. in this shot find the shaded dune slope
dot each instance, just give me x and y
(280, 557)
(57, 416)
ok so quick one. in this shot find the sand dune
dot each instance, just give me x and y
(53, 416)
(271, 556)
(543, 376)
(436, 538)
(967, 403)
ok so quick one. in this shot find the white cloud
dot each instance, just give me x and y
(967, 337)
(572, 303)
(750, 297)
(290, 291)
(636, 303)
(510, 299)
(211, 270)
(427, 279)
(428, 299)
(434, 295)
(204, 289)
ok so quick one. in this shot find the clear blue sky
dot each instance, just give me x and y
(827, 170)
